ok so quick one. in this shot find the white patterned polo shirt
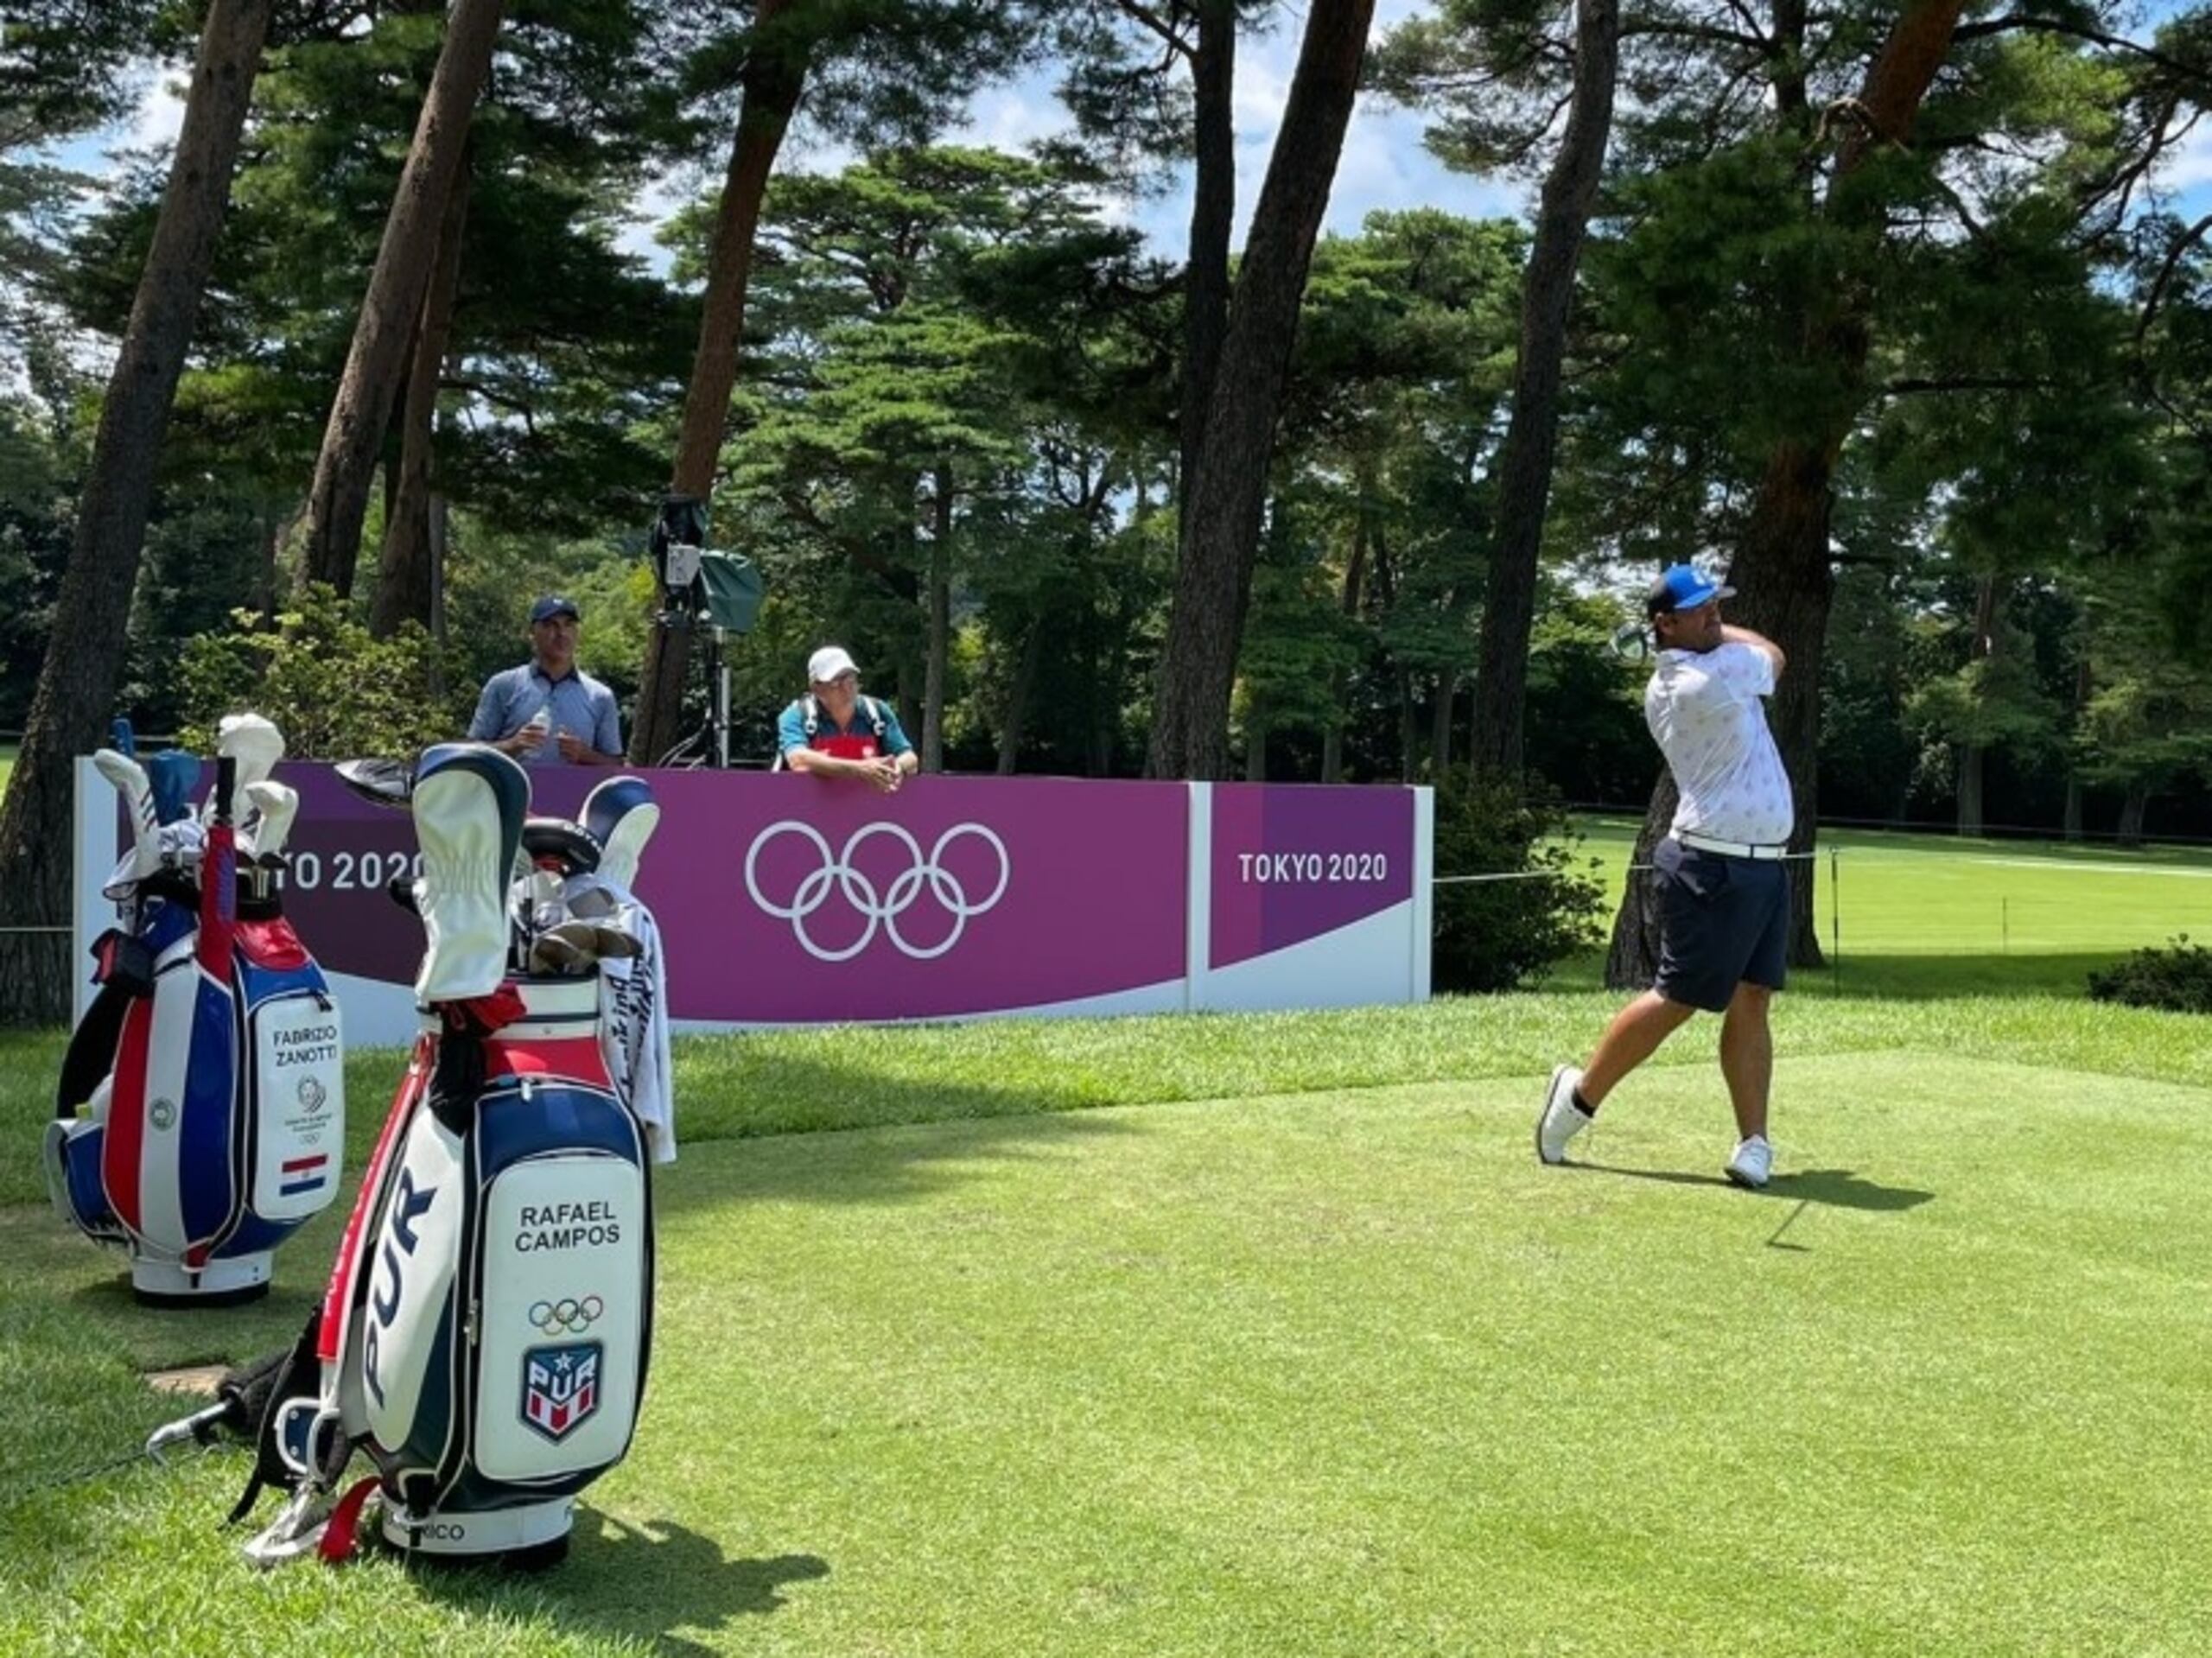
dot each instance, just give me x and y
(1704, 710)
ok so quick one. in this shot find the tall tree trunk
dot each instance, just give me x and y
(771, 85)
(1333, 739)
(84, 645)
(1213, 582)
(1213, 220)
(1019, 691)
(1112, 687)
(1439, 727)
(1409, 729)
(1256, 747)
(1782, 568)
(404, 577)
(940, 620)
(2133, 810)
(2084, 685)
(339, 500)
(1974, 756)
(1973, 770)
(1524, 470)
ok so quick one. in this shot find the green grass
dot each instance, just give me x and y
(1339, 1372)
(1264, 1334)
(1921, 915)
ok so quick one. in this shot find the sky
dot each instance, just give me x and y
(1384, 164)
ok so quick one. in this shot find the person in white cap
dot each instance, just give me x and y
(835, 732)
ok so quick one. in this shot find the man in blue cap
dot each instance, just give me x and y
(549, 711)
(1724, 889)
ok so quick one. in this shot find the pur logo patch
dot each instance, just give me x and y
(560, 1388)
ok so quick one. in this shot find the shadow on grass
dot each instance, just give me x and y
(803, 1148)
(1834, 1188)
(644, 1582)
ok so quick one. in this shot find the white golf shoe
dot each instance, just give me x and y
(1751, 1163)
(1561, 1119)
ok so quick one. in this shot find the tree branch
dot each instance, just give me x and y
(1137, 12)
(1919, 386)
(2196, 72)
(2182, 242)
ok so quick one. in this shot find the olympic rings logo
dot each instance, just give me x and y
(839, 875)
(567, 1317)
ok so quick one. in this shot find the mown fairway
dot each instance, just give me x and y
(1923, 915)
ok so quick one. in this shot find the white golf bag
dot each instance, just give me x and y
(484, 1335)
(201, 1115)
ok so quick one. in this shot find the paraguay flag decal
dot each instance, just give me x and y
(304, 1174)
(560, 1388)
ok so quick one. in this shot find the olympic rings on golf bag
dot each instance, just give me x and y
(201, 1115)
(485, 1332)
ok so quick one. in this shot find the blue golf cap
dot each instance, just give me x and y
(554, 604)
(1683, 589)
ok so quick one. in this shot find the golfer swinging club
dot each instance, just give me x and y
(1724, 890)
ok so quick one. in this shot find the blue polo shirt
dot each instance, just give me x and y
(575, 702)
(890, 736)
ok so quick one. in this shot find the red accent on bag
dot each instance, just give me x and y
(345, 1523)
(483, 1015)
(271, 944)
(579, 1057)
(364, 1201)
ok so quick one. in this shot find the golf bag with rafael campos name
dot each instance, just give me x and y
(201, 1114)
(485, 1332)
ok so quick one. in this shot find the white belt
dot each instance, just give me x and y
(1730, 848)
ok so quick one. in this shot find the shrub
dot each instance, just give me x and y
(1499, 935)
(334, 689)
(2176, 977)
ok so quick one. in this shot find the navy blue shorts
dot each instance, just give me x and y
(1723, 922)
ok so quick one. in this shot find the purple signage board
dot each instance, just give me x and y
(787, 899)
(1290, 863)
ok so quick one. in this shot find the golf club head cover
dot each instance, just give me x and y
(175, 776)
(621, 814)
(137, 789)
(555, 844)
(278, 805)
(254, 742)
(469, 802)
(381, 783)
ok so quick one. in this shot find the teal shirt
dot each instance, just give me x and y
(791, 729)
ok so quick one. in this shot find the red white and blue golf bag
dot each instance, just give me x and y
(484, 1335)
(200, 1116)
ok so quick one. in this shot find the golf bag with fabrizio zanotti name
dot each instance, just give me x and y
(200, 1116)
(484, 1335)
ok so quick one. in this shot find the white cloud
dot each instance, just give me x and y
(160, 115)
(2190, 165)
(1014, 117)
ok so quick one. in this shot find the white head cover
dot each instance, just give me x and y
(252, 741)
(277, 803)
